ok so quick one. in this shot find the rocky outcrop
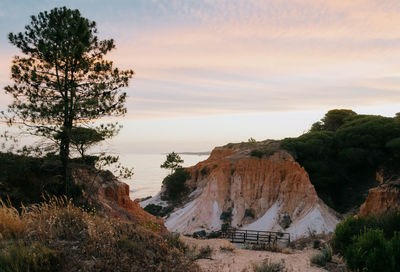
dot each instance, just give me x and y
(269, 193)
(111, 197)
(382, 199)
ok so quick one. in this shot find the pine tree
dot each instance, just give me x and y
(62, 80)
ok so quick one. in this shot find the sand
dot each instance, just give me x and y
(226, 257)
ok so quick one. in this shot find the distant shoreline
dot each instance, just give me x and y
(192, 153)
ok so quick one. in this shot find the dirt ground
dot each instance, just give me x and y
(226, 257)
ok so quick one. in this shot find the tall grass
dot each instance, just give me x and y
(58, 236)
(11, 224)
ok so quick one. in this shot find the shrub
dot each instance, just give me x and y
(36, 257)
(174, 241)
(249, 213)
(395, 243)
(153, 209)
(389, 223)
(226, 216)
(175, 184)
(225, 227)
(205, 171)
(324, 256)
(158, 210)
(350, 228)
(370, 252)
(204, 253)
(318, 259)
(256, 153)
(267, 266)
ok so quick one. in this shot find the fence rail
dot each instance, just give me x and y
(270, 238)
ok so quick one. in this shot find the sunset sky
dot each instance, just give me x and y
(219, 71)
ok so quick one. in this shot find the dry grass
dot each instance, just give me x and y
(11, 224)
(81, 241)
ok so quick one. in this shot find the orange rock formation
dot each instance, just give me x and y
(259, 192)
(382, 199)
(111, 196)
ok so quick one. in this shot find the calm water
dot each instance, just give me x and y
(148, 175)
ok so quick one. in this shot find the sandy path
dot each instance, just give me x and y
(226, 260)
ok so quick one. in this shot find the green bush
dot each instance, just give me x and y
(175, 185)
(389, 223)
(256, 153)
(18, 257)
(225, 227)
(153, 209)
(395, 243)
(226, 216)
(249, 213)
(371, 252)
(346, 231)
(324, 256)
(158, 210)
(205, 171)
(319, 259)
(352, 227)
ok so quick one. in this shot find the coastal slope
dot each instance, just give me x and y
(268, 192)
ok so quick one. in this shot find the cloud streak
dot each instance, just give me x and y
(195, 58)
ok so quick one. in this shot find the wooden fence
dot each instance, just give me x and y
(269, 238)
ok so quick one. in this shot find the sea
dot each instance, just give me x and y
(148, 175)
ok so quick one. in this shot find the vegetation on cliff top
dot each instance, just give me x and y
(343, 152)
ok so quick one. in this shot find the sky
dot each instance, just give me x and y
(210, 72)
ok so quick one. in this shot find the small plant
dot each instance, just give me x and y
(173, 240)
(204, 171)
(285, 221)
(267, 266)
(226, 216)
(249, 213)
(225, 227)
(257, 153)
(227, 249)
(205, 253)
(324, 256)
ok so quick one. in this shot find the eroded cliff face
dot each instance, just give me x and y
(382, 199)
(272, 193)
(111, 197)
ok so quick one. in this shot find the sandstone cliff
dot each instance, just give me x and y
(269, 193)
(111, 197)
(382, 199)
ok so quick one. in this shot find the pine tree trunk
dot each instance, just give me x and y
(64, 157)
